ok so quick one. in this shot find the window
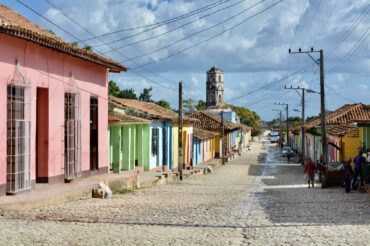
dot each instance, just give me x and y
(155, 139)
(72, 136)
(18, 140)
(219, 78)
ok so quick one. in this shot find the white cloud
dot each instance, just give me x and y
(252, 55)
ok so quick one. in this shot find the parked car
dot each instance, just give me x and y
(287, 150)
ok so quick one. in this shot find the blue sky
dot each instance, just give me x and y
(252, 55)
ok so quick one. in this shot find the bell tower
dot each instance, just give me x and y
(215, 87)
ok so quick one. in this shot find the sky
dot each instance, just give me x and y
(167, 41)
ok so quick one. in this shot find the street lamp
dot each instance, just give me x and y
(312, 91)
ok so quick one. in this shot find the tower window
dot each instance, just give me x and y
(219, 78)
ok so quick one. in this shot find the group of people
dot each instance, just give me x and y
(350, 176)
(358, 171)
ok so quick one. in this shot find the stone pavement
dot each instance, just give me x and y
(258, 199)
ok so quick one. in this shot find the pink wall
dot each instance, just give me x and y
(51, 69)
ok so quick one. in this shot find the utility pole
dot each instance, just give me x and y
(280, 123)
(303, 120)
(320, 63)
(180, 132)
(223, 138)
(287, 121)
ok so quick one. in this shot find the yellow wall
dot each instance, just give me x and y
(187, 133)
(352, 145)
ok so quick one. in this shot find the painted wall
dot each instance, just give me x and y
(197, 151)
(351, 145)
(129, 143)
(159, 159)
(187, 143)
(51, 69)
(175, 149)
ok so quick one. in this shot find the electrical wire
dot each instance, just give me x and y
(195, 33)
(161, 34)
(161, 23)
(212, 37)
(87, 31)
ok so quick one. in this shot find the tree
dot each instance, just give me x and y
(164, 103)
(113, 89)
(75, 44)
(145, 95)
(202, 105)
(249, 118)
(128, 94)
(188, 105)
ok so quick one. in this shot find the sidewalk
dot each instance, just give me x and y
(46, 195)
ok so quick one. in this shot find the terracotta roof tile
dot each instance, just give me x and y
(202, 134)
(115, 117)
(349, 113)
(154, 110)
(14, 24)
(211, 121)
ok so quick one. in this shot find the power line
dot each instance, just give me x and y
(312, 20)
(161, 34)
(168, 21)
(195, 33)
(336, 93)
(86, 30)
(301, 70)
(212, 37)
(350, 30)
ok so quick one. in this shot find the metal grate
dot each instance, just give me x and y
(18, 176)
(72, 132)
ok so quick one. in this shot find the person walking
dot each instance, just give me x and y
(358, 170)
(309, 170)
(347, 175)
(288, 155)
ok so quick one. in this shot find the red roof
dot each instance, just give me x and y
(210, 121)
(349, 113)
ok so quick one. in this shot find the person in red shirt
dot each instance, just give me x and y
(309, 170)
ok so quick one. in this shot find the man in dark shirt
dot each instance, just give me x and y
(358, 170)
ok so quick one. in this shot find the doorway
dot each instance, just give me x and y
(42, 136)
(94, 131)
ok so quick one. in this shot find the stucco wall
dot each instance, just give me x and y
(50, 69)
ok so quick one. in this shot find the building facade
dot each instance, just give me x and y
(51, 130)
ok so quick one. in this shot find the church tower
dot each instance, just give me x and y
(215, 87)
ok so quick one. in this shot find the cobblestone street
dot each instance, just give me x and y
(258, 199)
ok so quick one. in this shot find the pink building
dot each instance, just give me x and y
(53, 107)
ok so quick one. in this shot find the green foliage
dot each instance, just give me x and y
(202, 105)
(294, 121)
(88, 47)
(123, 191)
(188, 105)
(145, 96)
(249, 118)
(128, 94)
(113, 89)
(164, 103)
(50, 31)
(75, 44)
